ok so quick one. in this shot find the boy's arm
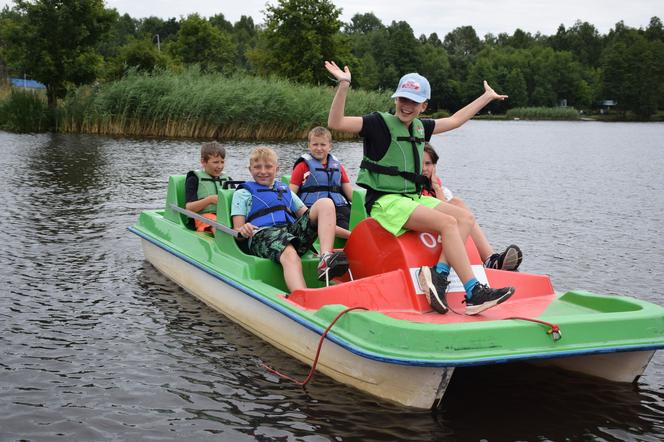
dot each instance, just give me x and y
(198, 205)
(347, 189)
(336, 119)
(191, 195)
(466, 113)
(239, 210)
(246, 229)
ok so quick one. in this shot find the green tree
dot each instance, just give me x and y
(633, 72)
(157, 29)
(582, 40)
(200, 42)
(54, 41)
(245, 34)
(515, 87)
(462, 45)
(364, 24)
(139, 55)
(299, 36)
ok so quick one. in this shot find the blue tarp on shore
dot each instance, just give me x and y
(21, 82)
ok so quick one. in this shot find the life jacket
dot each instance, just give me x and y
(270, 206)
(400, 169)
(209, 185)
(322, 181)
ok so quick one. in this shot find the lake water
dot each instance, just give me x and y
(97, 345)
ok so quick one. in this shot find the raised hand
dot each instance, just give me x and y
(488, 90)
(337, 73)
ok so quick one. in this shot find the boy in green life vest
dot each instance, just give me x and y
(391, 171)
(201, 186)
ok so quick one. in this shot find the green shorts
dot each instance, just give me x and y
(393, 210)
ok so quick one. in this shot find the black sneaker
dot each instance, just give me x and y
(510, 259)
(485, 297)
(434, 285)
(332, 264)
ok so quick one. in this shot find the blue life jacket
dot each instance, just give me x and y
(270, 206)
(322, 181)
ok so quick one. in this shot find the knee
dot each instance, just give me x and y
(289, 257)
(447, 221)
(324, 204)
(467, 218)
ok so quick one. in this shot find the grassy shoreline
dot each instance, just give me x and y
(193, 104)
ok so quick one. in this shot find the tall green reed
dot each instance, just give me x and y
(543, 113)
(24, 111)
(199, 105)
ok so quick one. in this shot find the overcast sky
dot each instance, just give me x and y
(427, 16)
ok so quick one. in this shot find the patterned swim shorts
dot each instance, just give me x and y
(270, 242)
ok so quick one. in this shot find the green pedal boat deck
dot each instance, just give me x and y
(398, 349)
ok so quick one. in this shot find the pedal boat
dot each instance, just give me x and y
(398, 349)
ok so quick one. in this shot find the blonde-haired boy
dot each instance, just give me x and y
(278, 226)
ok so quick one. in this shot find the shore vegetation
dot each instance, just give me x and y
(194, 104)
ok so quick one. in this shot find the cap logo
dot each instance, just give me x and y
(411, 84)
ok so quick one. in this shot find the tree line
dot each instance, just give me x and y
(66, 43)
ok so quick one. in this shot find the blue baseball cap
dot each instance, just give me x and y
(414, 87)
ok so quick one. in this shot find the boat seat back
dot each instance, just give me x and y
(257, 268)
(175, 195)
(357, 211)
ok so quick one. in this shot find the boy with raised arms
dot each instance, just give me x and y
(391, 171)
(319, 174)
(278, 226)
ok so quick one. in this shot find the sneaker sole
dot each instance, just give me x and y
(512, 259)
(424, 278)
(475, 309)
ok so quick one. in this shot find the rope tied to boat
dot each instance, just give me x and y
(320, 345)
(554, 329)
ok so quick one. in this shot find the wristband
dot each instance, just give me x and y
(343, 79)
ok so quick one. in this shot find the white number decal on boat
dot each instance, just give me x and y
(428, 240)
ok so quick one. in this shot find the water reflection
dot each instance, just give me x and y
(97, 345)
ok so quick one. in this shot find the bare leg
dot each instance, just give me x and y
(292, 265)
(424, 219)
(324, 215)
(465, 219)
(476, 233)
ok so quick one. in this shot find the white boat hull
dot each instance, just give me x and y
(412, 386)
(617, 367)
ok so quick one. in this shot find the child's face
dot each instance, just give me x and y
(213, 166)
(319, 147)
(264, 171)
(428, 167)
(407, 110)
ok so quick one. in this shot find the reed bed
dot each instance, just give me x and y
(543, 113)
(193, 104)
(24, 111)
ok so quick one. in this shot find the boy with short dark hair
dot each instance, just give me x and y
(391, 171)
(319, 174)
(202, 185)
(278, 226)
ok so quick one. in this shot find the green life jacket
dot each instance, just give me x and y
(207, 186)
(400, 169)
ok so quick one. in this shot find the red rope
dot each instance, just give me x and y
(320, 345)
(554, 329)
